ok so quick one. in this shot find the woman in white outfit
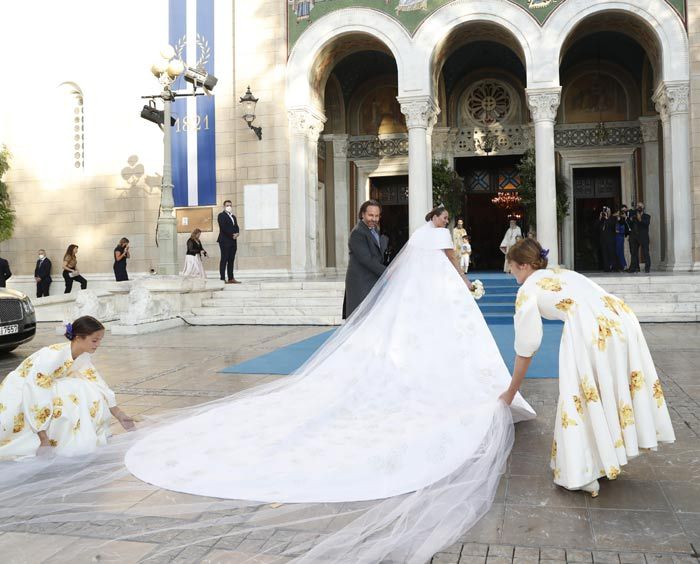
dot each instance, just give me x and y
(193, 258)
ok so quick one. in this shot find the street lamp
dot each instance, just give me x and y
(249, 101)
(166, 70)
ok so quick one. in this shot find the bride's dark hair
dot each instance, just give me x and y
(435, 211)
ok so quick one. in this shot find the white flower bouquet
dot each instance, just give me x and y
(478, 289)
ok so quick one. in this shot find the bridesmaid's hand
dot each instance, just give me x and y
(125, 421)
(507, 397)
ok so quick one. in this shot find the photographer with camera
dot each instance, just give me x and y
(606, 239)
(639, 237)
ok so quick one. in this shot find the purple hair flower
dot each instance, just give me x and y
(69, 331)
(544, 253)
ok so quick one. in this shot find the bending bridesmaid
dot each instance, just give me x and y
(57, 400)
(611, 404)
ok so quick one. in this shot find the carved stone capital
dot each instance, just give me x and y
(420, 111)
(649, 126)
(543, 103)
(672, 98)
(306, 122)
(339, 142)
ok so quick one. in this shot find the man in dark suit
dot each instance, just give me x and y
(4, 272)
(228, 234)
(366, 261)
(42, 274)
(639, 238)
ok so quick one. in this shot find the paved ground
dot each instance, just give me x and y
(651, 513)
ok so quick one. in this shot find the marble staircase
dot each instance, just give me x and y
(659, 297)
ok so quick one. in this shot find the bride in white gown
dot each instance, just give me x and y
(403, 398)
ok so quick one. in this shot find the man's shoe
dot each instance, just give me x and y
(230, 282)
(233, 281)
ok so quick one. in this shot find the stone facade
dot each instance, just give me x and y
(114, 190)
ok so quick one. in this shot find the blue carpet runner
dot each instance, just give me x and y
(497, 305)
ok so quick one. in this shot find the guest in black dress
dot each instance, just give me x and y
(121, 253)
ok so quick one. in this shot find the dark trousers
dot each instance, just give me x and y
(69, 282)
(42, 288)
(635, 245)
(228, 255)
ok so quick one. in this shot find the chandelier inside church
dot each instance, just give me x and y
(508, 199)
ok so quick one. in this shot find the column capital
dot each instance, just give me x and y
(543, 103)
(649, 126)
(672, 98)
(306, 121)
(420, 111)
(340, 144)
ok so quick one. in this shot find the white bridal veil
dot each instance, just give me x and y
(385, 446)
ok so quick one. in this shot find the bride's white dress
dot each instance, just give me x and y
(402, 396)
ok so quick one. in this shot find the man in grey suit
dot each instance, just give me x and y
(366, 262)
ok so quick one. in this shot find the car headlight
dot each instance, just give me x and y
(27, 305)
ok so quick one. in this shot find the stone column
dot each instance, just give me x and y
(341, 197)
(650, 151)
(672, 103)
(543, 105)
(421, 115)
(305, 125)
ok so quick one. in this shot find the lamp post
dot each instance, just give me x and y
(166, 70)
(249, 101)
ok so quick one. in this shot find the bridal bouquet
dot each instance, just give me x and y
(478, 289)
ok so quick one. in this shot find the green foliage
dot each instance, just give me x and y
(448, 188)
(527, 172)
(7, 214)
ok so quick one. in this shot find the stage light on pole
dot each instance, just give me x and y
(200, 77)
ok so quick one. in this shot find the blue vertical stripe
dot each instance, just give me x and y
(206, 134)
(176, 37)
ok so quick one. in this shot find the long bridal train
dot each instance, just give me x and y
(386, 445)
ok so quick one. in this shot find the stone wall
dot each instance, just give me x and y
(694, 41)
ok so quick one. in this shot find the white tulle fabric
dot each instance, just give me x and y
(386, 445)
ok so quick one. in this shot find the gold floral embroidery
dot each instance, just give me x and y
(5, 442)
(95, 407)
(61, 369)
(25, 367)
(550, 284)
(58, 346)
(589, 391)
(579, 406)
(57, 407)
(520, 300)
(2, 408)
(556, 473)
(606, 327)
(77, 426)
(43, 381)
(554, 449)
(565, 305)
(624, 306)
(626, 414)
(619, 443)
(613, 473)
(41, 414)
(658, 393)
(611, 303)
(73, 398)
(18, 423)
(53, 443)
(601, 473)
(90, 374)
(558, 270)
(566, 420)
(636, 382)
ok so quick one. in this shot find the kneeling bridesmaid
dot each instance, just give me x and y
(611, 404)
(57, 400)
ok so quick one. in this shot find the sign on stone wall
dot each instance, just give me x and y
(302, 13)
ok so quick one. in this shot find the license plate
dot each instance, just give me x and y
(9, 329)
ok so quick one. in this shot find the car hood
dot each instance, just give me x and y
(9, 294)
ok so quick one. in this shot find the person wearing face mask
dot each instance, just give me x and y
(42, 274)
(228, 235)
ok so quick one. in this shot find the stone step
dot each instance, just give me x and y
(223, 295)
(330, 301)
(256, 320)
(268, 311)
(285, 285)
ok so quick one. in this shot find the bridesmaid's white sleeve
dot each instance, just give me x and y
(528, 322)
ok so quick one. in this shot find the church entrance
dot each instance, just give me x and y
(392, 193)
(486, 222)
(594, 189)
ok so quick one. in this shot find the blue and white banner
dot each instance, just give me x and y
(191, 32)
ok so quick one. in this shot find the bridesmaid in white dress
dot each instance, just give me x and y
(611, 404)
(56, 400)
